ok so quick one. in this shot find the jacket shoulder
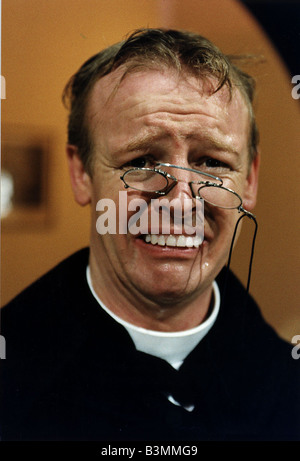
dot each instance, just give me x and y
(51, 283)
(40, 307)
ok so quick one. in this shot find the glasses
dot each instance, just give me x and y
(203, 185)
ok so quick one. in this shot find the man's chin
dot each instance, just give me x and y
(170, 291)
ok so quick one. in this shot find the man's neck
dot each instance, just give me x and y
(172, 347)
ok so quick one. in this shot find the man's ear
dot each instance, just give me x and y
(80, 180)
(250, 192)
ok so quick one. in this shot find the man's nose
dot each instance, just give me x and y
(181, 206)
(182, 189)
(180, 196)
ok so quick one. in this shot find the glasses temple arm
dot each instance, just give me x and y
(247, 213)
(251, 216)
(190, 169)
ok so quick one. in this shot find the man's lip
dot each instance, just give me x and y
(163, 250)
(173, 252)
(207, 235)
(172, 241)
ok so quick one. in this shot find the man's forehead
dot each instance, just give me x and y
(121, 81)
(110, 95)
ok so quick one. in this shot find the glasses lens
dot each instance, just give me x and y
(144, 179)
(220, 196)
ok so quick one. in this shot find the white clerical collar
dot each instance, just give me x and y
(173, 347)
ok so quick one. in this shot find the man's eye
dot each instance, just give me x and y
(140, 162)
(214, 163)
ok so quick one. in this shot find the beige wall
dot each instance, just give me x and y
(44, 42)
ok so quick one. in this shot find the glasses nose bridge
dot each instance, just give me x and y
(184, 178)
(181, 173)
(181, 184)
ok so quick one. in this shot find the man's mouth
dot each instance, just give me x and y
(172, 240)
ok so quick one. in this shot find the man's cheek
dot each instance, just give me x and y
(137, 216)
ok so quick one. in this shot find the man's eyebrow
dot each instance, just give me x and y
(214, 143)
(144, 142)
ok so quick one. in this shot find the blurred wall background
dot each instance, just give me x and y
(44, 43)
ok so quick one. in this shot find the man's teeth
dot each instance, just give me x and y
(173, 240)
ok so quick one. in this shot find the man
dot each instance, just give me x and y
(132, 339)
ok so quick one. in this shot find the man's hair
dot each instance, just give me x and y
(154, 49)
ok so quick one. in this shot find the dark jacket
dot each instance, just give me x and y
(72, 373)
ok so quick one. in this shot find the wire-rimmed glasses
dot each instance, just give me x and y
(204, 186)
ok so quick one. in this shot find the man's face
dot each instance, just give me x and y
(157, 116)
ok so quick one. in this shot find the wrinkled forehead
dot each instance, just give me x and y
(110, 94)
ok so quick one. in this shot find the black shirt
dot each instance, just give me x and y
(72, 373)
